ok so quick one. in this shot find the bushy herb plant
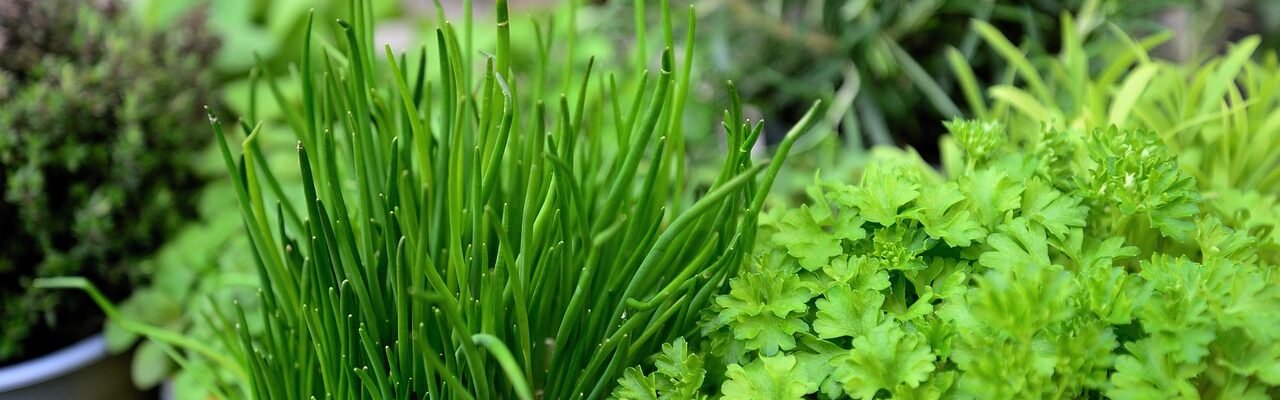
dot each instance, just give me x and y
(96, 118)
(459, 240)
(1036, 270)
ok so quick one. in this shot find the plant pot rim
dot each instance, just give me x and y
(53, 365)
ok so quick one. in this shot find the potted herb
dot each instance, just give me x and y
(93, 163)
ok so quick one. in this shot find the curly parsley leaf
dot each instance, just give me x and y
(1089, 253)
(1012, 315)
(847, 312)
(817, 368)
(1177, 318)
(1057, 212)
(680, 372)
(1020, 302)
(992, 194)
(1135, 174)
(1018, 277)
(1110, 293)
(938, 212)
(979, 139)
(766, 378)
(806, 240)
(1148, 372)
(1018, 245)
(883, 359)
(899, 247)
(883, 194)
(859, 272)
(635, 385)
(764, 308)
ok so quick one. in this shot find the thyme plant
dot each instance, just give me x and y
(95, 152)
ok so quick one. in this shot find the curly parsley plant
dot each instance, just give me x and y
(1030, 270)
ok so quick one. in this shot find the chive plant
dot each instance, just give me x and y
(459, 239)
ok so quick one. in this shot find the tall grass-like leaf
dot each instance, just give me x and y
(1128, 94)
(1021, 100)
(968, 83)
(1015, 57)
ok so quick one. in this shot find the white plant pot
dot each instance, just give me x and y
(84, 370)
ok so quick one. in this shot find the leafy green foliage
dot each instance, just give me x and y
(1116, 279)
(885, 358)
(258, 40)
(776, 377)
(809, 240)
(845, 312)
(1133, 179)
(679, 375)
(248, 29)
(883, 194)
(957, 227)
(765, 309)
(95, 149)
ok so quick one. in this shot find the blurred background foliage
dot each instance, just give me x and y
(1219, 115)
(1201, 28)
(256, 34)
(884, 67)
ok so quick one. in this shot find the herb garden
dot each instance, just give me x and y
(729, 199)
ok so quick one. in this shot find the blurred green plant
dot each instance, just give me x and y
(249, 29)
(1220, 117)
(1202, 28)
(255, 34)
(882, 65)
(95, 151)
